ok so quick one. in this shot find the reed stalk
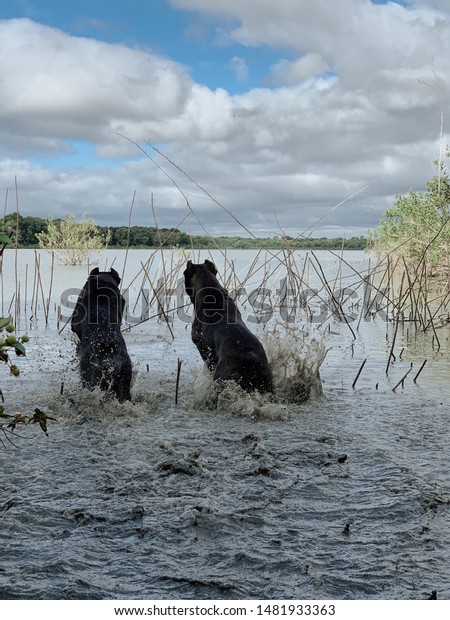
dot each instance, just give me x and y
(397, 323)
(177, 384)
(16, 261)
(402, 380)
(419, 371)
(128, 239)
(358, 373)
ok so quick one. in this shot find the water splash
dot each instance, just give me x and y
(254, 405)
(295, 357)
(202, 390)
(231, 398)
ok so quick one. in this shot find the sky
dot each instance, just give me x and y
(225, 117)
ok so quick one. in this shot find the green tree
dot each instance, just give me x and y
(10, 223)
(417, 226)
(73, 242)
(29, 228)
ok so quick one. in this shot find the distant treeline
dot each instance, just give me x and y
(152, 237)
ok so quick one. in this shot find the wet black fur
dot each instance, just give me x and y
(225, 343)
(96, 320)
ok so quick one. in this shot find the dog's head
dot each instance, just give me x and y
(100, 285)
(110, 276)
(106, 283)
(193, 272)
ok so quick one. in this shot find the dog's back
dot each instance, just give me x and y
(230, 349)
(104, 360)
(241, 358)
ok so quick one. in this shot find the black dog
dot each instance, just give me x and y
(225, 343)
(104, 360)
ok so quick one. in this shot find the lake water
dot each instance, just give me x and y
(344, 496)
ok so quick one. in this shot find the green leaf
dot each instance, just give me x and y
(4, 321)
(4, 239)
(40, 417)
(20, 349)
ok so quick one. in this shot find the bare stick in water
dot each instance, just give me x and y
(420, 370)
(128, 240)
(16, 264)
(391, 352)
(401, 380)
(359, 372)
(177, 385)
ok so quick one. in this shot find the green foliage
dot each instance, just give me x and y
(4, 239)
(279, 243)
(28, 227)
(10, 343)
(417, 226)
(152, 237)
(9, 423)
(73, 242)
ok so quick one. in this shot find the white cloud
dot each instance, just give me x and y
(441, 5)
(355, 38)
(293, 72)
(55, 85)
(297, 149)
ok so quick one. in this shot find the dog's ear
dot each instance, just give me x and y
(95, 272)
(189, 269)
(211, 267)
(115, 275)
(188, 276)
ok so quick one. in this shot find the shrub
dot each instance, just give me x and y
(417, 226)
(72, 242)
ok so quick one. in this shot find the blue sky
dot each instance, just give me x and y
(188, 37)
(191, 39)
(280, 110)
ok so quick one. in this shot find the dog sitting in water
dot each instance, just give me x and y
(96, 320)
(225, 343)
